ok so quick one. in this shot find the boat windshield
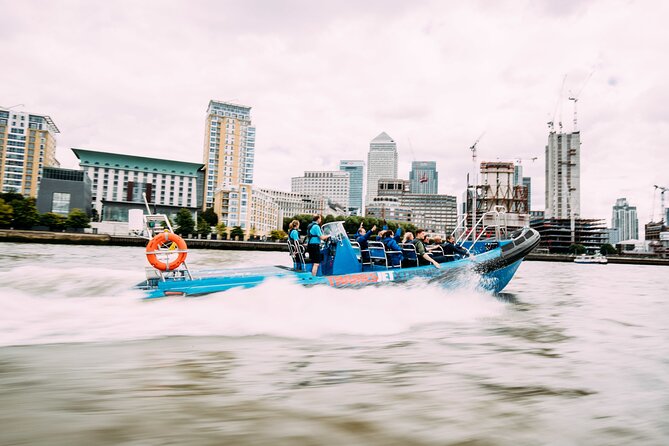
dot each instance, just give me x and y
(335, 230)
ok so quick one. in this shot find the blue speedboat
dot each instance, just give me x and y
(492, 263)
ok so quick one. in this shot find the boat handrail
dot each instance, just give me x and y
(497, 212)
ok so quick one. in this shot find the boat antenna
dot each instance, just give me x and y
(474, 186)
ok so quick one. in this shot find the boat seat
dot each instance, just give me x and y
(436, 250)
(409, 252)
(377, 254)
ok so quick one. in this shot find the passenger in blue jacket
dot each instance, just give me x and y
(362, 239)
(398, 235)
(391, 245)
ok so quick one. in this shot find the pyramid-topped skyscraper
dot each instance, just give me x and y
(381, 163)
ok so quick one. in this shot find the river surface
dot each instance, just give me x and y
(567, 355)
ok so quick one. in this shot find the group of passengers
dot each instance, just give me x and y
(420, 242)
(391, 241)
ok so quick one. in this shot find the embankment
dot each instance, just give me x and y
(18, 236)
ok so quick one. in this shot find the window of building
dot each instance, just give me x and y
(60, 203)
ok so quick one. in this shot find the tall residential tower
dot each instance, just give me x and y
(229, 148)
(381, 163)
(563, 178)
(27, 146)
(624, 219)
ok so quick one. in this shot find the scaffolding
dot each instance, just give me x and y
(557, 236)
(499, 191)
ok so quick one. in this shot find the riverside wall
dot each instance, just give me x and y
(19, 236)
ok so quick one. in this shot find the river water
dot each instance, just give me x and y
(568, 354)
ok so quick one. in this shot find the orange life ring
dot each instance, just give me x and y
(153, 248)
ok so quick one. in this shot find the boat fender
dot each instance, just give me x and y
(153, 248)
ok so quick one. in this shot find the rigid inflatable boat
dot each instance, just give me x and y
(492, 262)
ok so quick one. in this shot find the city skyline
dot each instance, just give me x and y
(319, 100)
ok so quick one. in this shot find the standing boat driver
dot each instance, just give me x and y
(423, 257)
(314, 237)
(451, 249)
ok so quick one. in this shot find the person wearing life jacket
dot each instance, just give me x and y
(314, 237)
(294, 231)
(391, 245)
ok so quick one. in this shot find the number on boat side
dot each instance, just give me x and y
(385, 276)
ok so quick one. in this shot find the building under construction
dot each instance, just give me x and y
(497, 188)
(556, 233)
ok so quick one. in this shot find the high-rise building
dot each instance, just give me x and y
(624, 219)
(229, 148)
(381, 163)
(527, 182)
(27, 146)
(563, 179)
(333, 185)
(424, 177)
(355, 169)
(518, 175)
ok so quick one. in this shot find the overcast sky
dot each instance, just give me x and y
(324, 78)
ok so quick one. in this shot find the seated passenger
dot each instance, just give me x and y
(389, 242)
(408, 237)
(362, 239)
(423, 257)
(450, 248)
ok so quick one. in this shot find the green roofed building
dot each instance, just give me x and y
(118, 182)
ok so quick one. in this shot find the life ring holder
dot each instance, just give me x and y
(153, 251)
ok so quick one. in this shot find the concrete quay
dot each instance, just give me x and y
(74, 238)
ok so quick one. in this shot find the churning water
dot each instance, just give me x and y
(569, 354)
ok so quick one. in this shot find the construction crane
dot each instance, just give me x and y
(551, 123)
(662, 190)
(520, 160)
(575, 99)
(473, 149)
